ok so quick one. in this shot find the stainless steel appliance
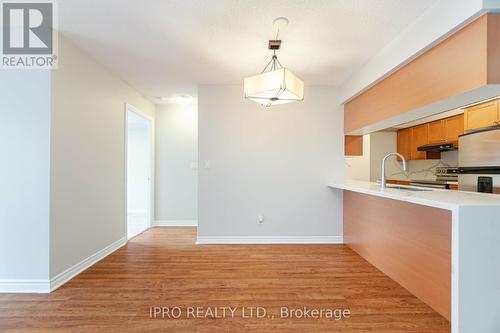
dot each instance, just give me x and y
(446, 178)
(447, 174)
(479, 161)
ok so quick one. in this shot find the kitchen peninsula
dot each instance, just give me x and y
(443, 246)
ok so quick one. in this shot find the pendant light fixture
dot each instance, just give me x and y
(275, 84)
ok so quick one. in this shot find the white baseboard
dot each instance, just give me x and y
(270, 240)
(175, 223)
(24, 286)
(73, 271)
(47, 286)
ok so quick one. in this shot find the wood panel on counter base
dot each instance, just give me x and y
(408, 242)
(164, 267)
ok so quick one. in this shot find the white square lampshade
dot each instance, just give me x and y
(275, 87)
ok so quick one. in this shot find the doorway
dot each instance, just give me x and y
(139, 166)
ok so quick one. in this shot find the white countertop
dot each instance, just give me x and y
(444, 199)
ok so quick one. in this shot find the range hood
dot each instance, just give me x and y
(439, 147)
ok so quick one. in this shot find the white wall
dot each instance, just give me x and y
(24, 174)
(138, 164)
(381, 144)
(87, 197)
(275, 162)
(176, 163)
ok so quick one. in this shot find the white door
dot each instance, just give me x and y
(139, 172)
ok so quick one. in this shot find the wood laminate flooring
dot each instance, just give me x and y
(164, 268)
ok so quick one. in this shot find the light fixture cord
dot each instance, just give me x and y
(275, 57)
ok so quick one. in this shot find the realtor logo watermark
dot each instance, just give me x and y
(29, 34)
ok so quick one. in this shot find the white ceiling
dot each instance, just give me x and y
(168, 47)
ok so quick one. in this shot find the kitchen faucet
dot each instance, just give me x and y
(382, 178)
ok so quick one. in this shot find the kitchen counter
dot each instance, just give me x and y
(444, 199)
(426, 239)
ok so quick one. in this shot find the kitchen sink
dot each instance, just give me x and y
(405, 188)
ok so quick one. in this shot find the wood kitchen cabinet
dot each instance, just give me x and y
(453, 127)
(353, 145)
(446, 130)
(419, 137)
(436, 131)
(404, 138)
(482, 115)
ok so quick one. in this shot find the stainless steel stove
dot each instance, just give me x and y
(446, 178)
(447, 174)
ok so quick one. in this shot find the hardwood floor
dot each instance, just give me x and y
(163, 267)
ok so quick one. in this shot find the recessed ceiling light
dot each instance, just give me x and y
(183, 99)
(177, 99)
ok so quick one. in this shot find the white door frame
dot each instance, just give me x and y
(131, 108)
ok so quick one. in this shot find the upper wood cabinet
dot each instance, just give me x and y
(404, 138)
(446, 130)
(481, 115)
(453, 127)
(419, 137)
(353, 145)
(436, 131)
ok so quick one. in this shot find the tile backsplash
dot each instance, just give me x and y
(422, 169)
